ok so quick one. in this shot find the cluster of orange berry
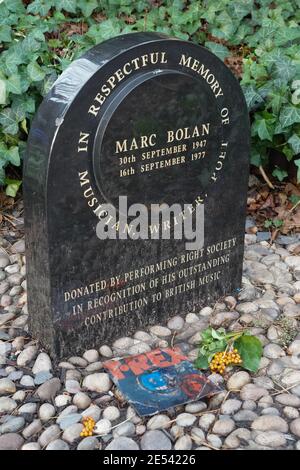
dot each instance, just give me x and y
(89, 424)
(223, 359)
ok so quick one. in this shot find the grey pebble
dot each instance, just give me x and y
(58, 444)
(48, 390)
(27, 381)
(89, 443)
(50, 434)
(126, 429)
(28, 408)
(31, 446)
(11, 441)
(155, 440)
(66, 421)
(13, 425)
(122, 443)
(72, 433)
(34, 428)
(42, 377)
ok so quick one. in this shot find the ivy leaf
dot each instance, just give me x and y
(250, 350)
(191, 28)
(35, 72)
(24, 126)
(266, 32)
(285, 70)
(38, 34)
(2, 174)
(48, 83)
(288, 152)
(258, 71)
(297, 163)
(206, 334)
(201, 362)
(240, 34)
(294, 199)
(218, 49)
(274, 56)
(8, 121)
(110, 28)
(288, 116)
(277, 99)
(264, 126)
(12, 60)
(279, 174)
(22, 106)
(40, 7)
(25, 81)
(16, 6)
(7, 155)
(2, 91)
(13, 156)
(225, 26)
(241, 8)
(217, 335)
(87, 7)
(217, 346)
(268, 223)
(177, 15)
(19, 111)
(287, 34)
(251, 96)
(277, 223)
(67, 5)
(11, 9)
(13, 84)
(209, 13)
(29, 46)
(181, 35)
(12, 187)
(5, 33)
(255, 157)
(294, 142)
(105, 30)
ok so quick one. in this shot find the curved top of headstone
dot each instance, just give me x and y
(72, 98)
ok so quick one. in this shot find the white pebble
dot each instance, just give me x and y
(102, 427)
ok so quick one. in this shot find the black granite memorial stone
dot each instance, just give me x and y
(158, 120)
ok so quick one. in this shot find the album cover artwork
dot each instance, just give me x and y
(160, 379)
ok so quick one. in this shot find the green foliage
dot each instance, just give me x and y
(250, 350)
(294, 199)
(39, 39)
(279, 173)
(297, 163)
(270, 83)
(12, 187)
(273, 223)
(212, 341)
